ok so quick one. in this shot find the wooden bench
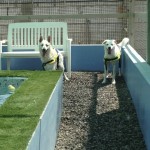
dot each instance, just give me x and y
(23, 40)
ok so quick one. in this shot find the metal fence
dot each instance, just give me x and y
(89, 21)
(140, 27)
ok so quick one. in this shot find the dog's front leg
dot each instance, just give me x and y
(120, 67)
(114, 74)
(119, 72)
(61, 67)
(105, 72)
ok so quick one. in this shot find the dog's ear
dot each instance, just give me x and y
(49, 39)
(41, 39)
(115, 41)
(104, 42)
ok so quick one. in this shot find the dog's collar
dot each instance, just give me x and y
(55, 59)
(44, 64)
(115, 58)
(111, 59)
(49, 62)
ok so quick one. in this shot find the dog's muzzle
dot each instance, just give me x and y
(109, 50)
(44, 52)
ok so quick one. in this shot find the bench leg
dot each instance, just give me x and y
(0, 63)
(69, 67)
(8, 63)
(69, 58)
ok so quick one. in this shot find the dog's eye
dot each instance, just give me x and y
(41, 44)
(46, 45)
(111, 44)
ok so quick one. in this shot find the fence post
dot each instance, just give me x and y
(87, 30)
(0, 55)
(148, 32)
(131, 22)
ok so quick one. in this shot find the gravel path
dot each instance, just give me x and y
(97, 116)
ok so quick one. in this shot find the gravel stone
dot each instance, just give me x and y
(98, 116)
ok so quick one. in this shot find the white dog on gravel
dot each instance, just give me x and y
(112, 54)
(51, 58)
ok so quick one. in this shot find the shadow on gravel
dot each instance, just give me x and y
(112, 118)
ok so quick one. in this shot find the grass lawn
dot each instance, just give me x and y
(20, 114)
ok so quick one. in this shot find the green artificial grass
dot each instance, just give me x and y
(20, 114)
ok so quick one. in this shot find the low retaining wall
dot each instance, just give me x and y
(84, 58)
(137, 75)
(87, 57)
(45, 134)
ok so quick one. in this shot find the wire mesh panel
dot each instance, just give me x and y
(140, 28)
(89, 21)
(81, 30)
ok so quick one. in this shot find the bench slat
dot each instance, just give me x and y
(24, 54)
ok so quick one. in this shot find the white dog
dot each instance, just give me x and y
(51, 58)
(112, 54)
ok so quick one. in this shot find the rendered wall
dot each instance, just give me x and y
(87, 57)
(137, 76)
(45, 134)
(84, 58)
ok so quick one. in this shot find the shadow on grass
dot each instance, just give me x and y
(112, 118)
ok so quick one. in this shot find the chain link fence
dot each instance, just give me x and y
(140, 27)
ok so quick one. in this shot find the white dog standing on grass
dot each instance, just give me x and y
(51, 58)
(112, 54)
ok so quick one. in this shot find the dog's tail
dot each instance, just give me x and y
(124, 42)
(3, 41)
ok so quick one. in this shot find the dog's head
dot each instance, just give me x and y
(45, 46)
(109, 46)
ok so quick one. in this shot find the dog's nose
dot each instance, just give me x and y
(109, 50)
(44, 51)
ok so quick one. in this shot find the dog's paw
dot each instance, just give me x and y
(108, 75)
(113, 82)
(66, 79)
